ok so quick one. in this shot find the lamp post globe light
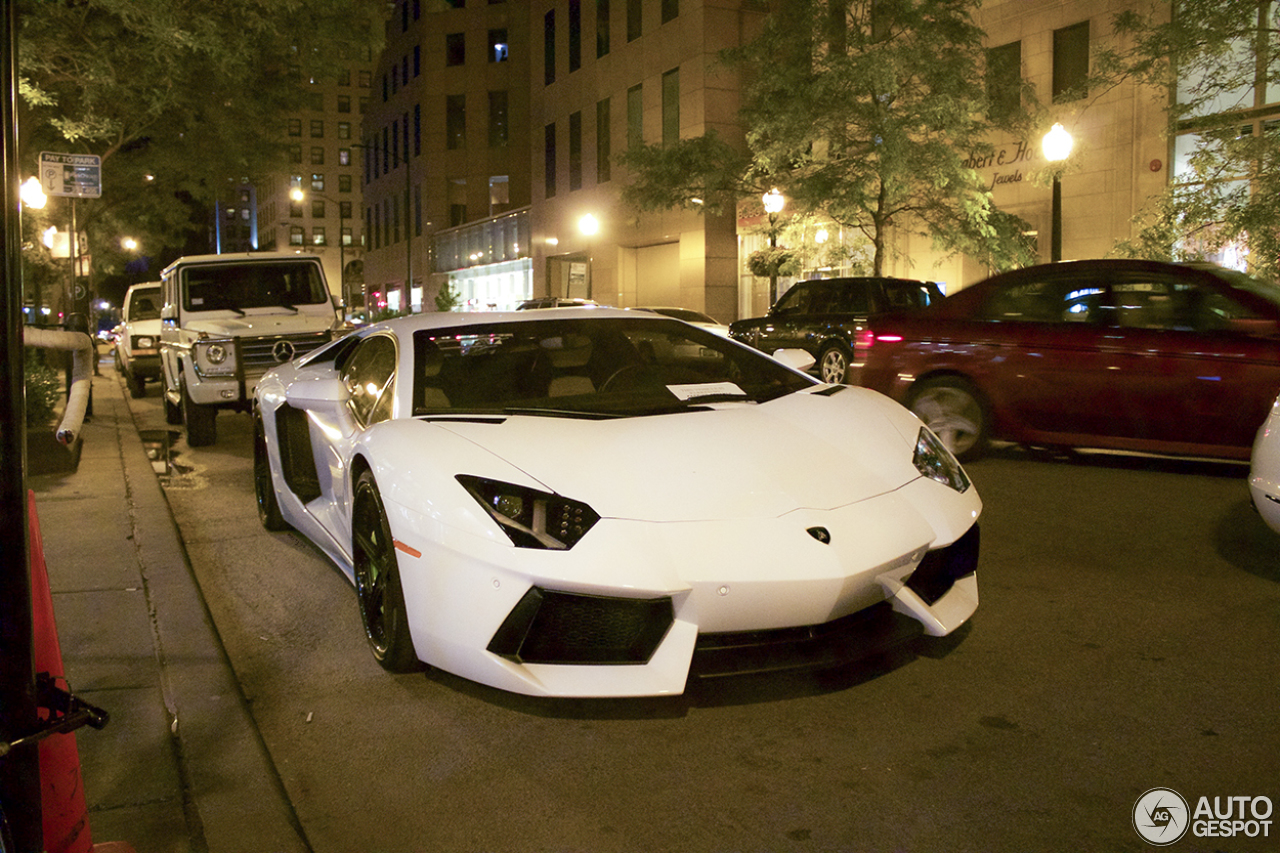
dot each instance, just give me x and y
(1056, 145)
(773, 203)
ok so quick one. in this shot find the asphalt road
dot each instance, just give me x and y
(1128, 638)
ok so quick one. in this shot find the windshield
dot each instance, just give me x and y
(235, 287)
(144, 304)
(606, 367)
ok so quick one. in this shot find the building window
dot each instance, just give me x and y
(602, 28)
(317, 155)
(1004, 81)
(386, 150)
(671, 107)
(395, 144)
(549, 48)
(344, 210)
(295, 209)
(346, 236)
(344, 130)
(417, 60)
(376, 230)
(603, 150)
(1070, 62)
(344, 156)
(344, 183)
(455, 49)
(317, 128)
(295, 153)
(633, 19)
(498, 130)
(635, 118)
(455, 121)
(317, 182)
(296, 235)
(670, 10)
(575, 35)
(457, 215)
(317, 208)
(498, 45)
(417, 129)
(499, 193)
(575, 151)
(549, 159)
(344, 103)
(365, 79)
(295, 127)
(417, 210)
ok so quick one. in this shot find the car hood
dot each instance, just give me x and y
(263, 324)
(733, 461)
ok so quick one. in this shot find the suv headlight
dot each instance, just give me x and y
(933, 460)
(214, 357)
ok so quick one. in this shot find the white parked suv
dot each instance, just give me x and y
(138, 344)
(228, 319)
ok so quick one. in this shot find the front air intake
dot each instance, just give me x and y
(568, 628)
(943, 567)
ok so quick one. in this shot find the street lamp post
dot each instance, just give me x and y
(773, 204)
(298, 194)
(590, 227)
(1057, 147)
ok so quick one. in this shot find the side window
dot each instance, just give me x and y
(1153, 303)
(369, 378)
(1046, 301)
(795, 301)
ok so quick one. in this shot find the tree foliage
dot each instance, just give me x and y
(1217, 56)
(182, 99)
(862, 112)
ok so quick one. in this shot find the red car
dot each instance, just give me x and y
(1123, 354)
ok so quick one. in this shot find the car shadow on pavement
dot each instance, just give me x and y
(1243, 540)
(1120, 460)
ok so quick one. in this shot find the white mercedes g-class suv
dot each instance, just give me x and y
(227, 320)
(138, 346)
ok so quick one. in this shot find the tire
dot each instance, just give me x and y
(172, 412)
(954, 410)
(833, 364)
(377, 576)
(137, 386)
(268, 507)
(201, 421)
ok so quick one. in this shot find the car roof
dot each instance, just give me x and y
(242, 257)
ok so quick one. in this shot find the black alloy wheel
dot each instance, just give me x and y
(377, 576)
(268, 507)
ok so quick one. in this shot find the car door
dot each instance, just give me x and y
(1041, 344)
(784, 325)
(1198, 363)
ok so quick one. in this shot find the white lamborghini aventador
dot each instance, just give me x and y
(596, 502)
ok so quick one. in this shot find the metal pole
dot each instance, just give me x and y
(1055, 238)
(20, 770)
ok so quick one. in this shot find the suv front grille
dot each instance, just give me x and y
(258, 355)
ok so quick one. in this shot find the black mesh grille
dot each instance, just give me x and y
(566, 628)
(941, 568)
(293, 435)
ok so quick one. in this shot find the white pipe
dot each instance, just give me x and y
(81, 347)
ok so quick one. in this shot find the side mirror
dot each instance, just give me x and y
(319, 394)
(797, 359)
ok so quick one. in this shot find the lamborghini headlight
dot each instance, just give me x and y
(531, 518)
(933, 460)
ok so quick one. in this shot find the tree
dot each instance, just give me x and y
(862, 111)
(1218, 57)
(182, 99)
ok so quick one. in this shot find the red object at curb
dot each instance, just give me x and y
(66, 819)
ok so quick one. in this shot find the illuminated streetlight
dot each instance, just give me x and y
(32, 194)
(128, 244)
(773, 203)
(1057, 145)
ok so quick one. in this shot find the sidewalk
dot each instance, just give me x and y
(181, 766)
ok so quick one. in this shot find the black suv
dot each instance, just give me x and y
(830, 317)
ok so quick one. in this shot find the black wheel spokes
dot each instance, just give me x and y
(371, 557)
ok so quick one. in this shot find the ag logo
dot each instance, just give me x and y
(283, 351)
(1161, 816)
